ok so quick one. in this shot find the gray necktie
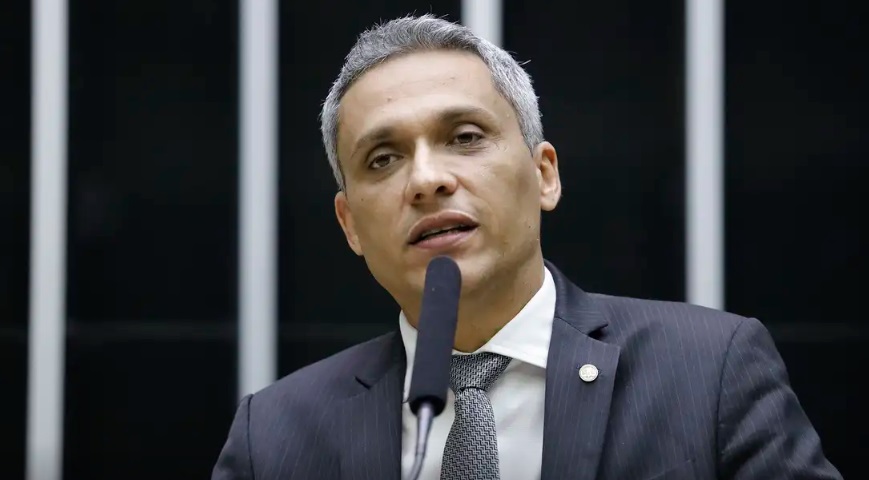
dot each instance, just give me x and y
(471, 451)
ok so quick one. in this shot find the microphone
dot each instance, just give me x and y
(434, 347)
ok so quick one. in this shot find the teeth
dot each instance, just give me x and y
(435, 231)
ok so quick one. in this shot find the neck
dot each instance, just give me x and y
(489, 304)
(488, 308)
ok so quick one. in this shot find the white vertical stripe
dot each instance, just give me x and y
(258, 194)
(48, 242)
(704, 167)
(484, 18)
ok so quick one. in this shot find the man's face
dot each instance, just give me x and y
(426, 142)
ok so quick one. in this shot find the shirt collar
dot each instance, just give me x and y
(524, 338)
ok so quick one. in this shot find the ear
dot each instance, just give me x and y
(546, 161)
(345, 219)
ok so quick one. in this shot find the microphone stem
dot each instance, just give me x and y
(424, 417)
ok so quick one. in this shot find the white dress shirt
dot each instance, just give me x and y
(517, 396)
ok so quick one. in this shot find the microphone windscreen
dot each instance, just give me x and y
(436, 334)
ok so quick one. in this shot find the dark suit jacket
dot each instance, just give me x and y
(683, 392)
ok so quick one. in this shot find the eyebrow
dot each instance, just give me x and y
(447, 115)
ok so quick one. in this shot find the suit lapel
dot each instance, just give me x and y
(370, 443)
(576, 411)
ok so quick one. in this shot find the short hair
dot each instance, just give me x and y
(410, 34)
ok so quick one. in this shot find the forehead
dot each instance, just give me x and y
(419, 73)
(407, 88)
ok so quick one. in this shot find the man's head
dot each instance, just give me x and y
(429, 126)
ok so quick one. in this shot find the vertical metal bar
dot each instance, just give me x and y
(704, 124)
(258, 31)
(47, 325)
(484, 18)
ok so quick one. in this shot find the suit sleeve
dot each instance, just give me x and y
(763, 431)
(234, 462)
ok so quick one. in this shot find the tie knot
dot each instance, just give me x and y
(479, 370)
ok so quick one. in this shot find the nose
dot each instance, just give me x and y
(430, 177)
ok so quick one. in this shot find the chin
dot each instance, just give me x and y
(476, 272)
(478, 268)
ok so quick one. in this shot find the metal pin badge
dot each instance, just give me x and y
(588, 372)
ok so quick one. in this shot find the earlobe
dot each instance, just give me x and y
(345, 219)
(550, 180)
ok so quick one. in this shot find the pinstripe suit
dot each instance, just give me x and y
(683, 392)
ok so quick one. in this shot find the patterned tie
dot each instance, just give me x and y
(471, 451)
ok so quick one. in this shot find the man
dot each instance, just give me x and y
(435, 139)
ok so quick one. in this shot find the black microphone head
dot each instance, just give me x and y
(436, 334)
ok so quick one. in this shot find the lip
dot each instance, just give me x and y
(445, 242)
(440, 220)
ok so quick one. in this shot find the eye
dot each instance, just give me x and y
(467, 138)
(381, 161)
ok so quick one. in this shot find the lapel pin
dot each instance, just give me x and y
(588, 372)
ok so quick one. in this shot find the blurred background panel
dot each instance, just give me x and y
(14, 228)
(327, 297)
(823, 374)
(152, 236)
(152, 157)
(797, 160)
(797, 166)
(13, 402)
(610, 80)
(143, 405)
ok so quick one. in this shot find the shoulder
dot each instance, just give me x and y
(689, 349)
(677, 326)
(636, 322)
(333, 377)
(293, 411)
(628, 313)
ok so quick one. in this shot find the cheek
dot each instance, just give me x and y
(510, 196)
(527, 185)
(519, 187)
(524, 200)
(374, 222)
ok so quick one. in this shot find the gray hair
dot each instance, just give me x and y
(412, 34)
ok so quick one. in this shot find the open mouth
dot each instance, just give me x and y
(440, 232)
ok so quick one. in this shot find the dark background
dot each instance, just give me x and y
(151, 362)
